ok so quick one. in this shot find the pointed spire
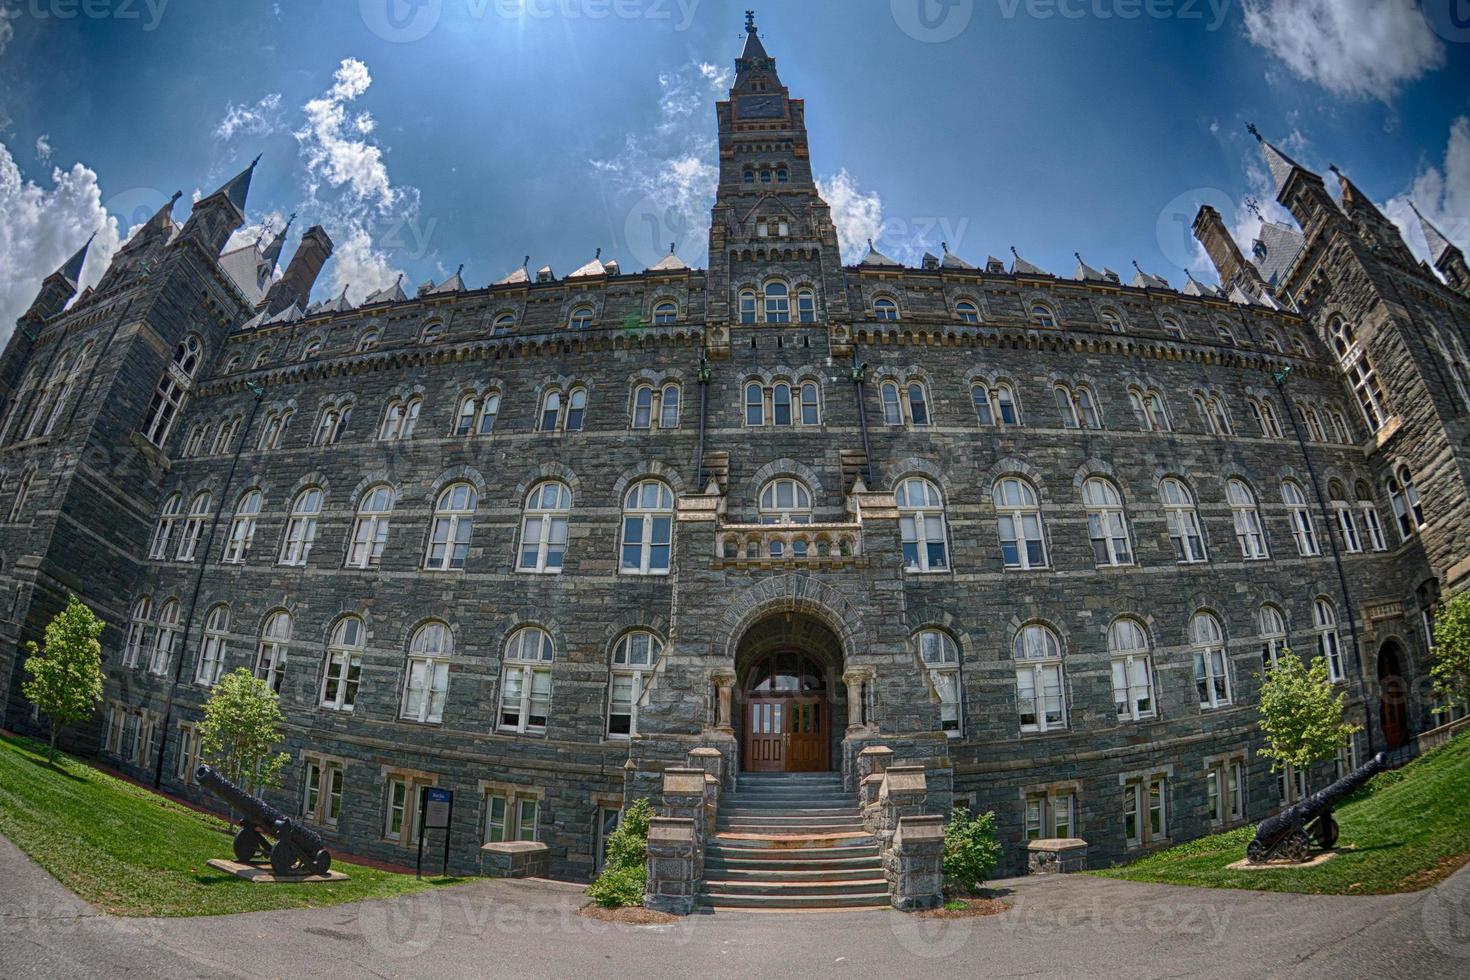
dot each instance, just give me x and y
(164, 216)
(754, 50)
(1144, 280)
(1438, 244)
(1280, 165)
(952, 261)
(272, 254)
(1020, 266)
(875, 257)
(1086, 272)
(239, 188)
(72, 270)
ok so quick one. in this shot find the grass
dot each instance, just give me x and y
(1406, 830)
(132, 852)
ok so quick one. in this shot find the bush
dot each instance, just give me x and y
(970, 851)
(625, 872)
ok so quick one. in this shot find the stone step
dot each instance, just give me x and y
(734, 840)
(826, 903)
(790, 822)
(813, 859)
(790, 798)
(794, 889)
(746, 810)
(868, 871)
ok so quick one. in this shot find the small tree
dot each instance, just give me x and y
(1451, 667)
(970, 850)
(1301, 714)
(241, 728)
(624, 876)
(66, 673)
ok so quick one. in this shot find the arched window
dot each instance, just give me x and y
(464, 419)
(885, 308)
(1018, 518)
(810, 407)
(1040, 696)
(370, 528)
(1273, 635)
(195, 440)
(967, 312)
(1172, 327)
(747, 306)
(921, 525)
(643, 407)
(1360, 373)
(1347, 522)
(544, 528)
(22, 494)
(782, 176)
(1042, 315)
(781, 403)
(489, 411)
(1403, 496)
(1107, 524)
(892, 408)
(1211, 672)
(806, 306)
(1324, 617)
(426, 685)
(1148, 409)
(633, 660)
(1226, 337)
(502, 324)
(1372, 529)
(576, 409)
(550, 410)
(225, 435)
(332, 424)
(1313, 421)
(1340, 430)
(749, 177)
(432, 333)
(941, 660)
(242, 527)
(164, 640)
(1077, 407)
(212, 652)
(785, 501)
(1303, 531)
(168, 519)
(918, 404)
(648, 528)
(194, 526)
(1112, 321)
(778, 303)
(525, 686)
(400, 418)
(755, 404)
(312, 349)
(1273, 342)
(1133, 682)
(139, 629)
(1247, 517)
(581, 318)
(1265, 414)
(261, 356)
(994, 404)
(274, 429)
(301, 527)
(368, 340)
(450, 530)
(665, 313)
(1213, 414)
(275, 639)
(343, 669)
(1182, 520)
(168, 398)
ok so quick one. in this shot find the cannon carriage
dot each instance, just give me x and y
(298, 850)
(1290, 833)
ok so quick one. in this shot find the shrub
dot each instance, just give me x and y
(970, 851)
(625, 872)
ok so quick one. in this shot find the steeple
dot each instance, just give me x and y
(217, 216)
(1376, 230)
(754, 60)
(272, 255)
(1445, 256)
(58, 288)
(72, 270)
(1298, 189)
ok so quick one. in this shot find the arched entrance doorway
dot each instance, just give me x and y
(1393, 712)
(788, 667)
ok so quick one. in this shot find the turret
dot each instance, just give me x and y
(1447, 258)
(215, 218)
(1297, 189)
(295, 286)
(1380, 233)
(58, 288)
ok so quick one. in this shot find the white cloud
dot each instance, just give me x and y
(7, 31)
(1441, 192)
(43, 227)
(857, 215)
(330, 146)
(260, 119)
(43, 147)
(1354, 48)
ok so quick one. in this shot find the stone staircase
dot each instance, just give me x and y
(791, 841)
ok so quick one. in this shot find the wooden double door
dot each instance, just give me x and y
(786, 734)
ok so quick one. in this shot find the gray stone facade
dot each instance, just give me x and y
(83, 497)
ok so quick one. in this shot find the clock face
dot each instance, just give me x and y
(761, 106)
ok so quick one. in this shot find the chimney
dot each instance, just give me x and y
(306, 264)
(1234, 270)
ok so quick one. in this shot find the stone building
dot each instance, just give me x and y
(536, 541)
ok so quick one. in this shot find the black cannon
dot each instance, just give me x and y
(1290, 833)
(298, 849)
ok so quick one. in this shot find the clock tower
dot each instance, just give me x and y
(770, 228)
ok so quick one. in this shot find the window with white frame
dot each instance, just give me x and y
(1077, 407)
(301, 527)
(262, 356)
(370, 528)
(273, 430)
(1403, 496)
(609, 818)
(746, 304)
(1145, 815)
(1272, 625)
(1372, 529)
(451, 528)
(941, 659)
(581, 318)
(634, 657)
(785, 501)
(1303, 531)
(400, 419)
(1148, 409)
(401, 813)
(212, 652)
(166, 637)
(921, 525)
(1291, 784)
(918, 403)
(892, 404)
(1246, 516)
(1211, 669)
(1315, 429)
(242, 527)
(275, 640)
(1340, 430)
(224, 436)
(778, 302)
(967, 312)
(193, 527)
(1225, 792)
(1324, 619)
(995, 404)
(502, 324)
(187, 756)
(1361, 376)
(525, 683)
(343, 669)
(1107, 522)
(368, 340)
(1182, 519)
(426, 681)
(476, 413)
(885, 308)
(321, 801)
(173, 388)
(544, 528)
(1132, 668)
(168, 520)
(665, 313)
(1273, 342)
(1051, 814)
(1264, 413)
(1225, 335)
(1172, 327)
(1347, 522)
(139, 632)
(782, 403)
(1042, 315)
(560, 414)
(806, 306)
(1111, 321)
(331, 424)
(510, 815)
(648, 528)
(1040, 695)
(1018, 523)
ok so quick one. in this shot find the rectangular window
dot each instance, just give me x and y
(339, 686)
(525, 699)
(1145, 813)
(188, 759)
(1225, 792)
(1051, 814)
(424, 693)
(1210, 680)
(497, 812)
(1039, 698)
(510, 817)
(1133, 688)
(608, 819)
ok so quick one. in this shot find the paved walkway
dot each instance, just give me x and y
(1071, 926)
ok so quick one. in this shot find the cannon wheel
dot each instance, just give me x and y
(1325, 830)
(248, 843)
(1296, 846)
(322, 863)
(284, 860)
(1256, 852)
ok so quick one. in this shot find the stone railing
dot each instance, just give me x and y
(912, 842)
(779, 545)
(676, 840)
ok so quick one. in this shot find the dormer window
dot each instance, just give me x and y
(433, 333)
(885, 308)
(502, 325)
(967, 312)
(1042, 316)
(581, 318)
(665, 313)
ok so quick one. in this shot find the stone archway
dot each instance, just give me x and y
(788, 694)
(1393, 708)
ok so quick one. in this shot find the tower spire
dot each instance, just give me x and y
(72, 270)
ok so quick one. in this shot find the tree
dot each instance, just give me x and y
(241, 728)
(971, 851)
(1301, 714)
(624, 876)
(1451, 667)
(66, 673)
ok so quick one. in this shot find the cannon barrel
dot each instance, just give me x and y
(1273, 830)
(303, 847)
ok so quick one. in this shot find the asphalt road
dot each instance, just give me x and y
(1063, 926)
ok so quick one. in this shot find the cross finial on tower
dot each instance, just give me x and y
(671, 247)
(599, 253)
(750, 21)
(1251, 128)
(1254, 207)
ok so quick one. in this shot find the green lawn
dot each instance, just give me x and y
(1407, 830)
(131, 852)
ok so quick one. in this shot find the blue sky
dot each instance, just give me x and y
(554, 127)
